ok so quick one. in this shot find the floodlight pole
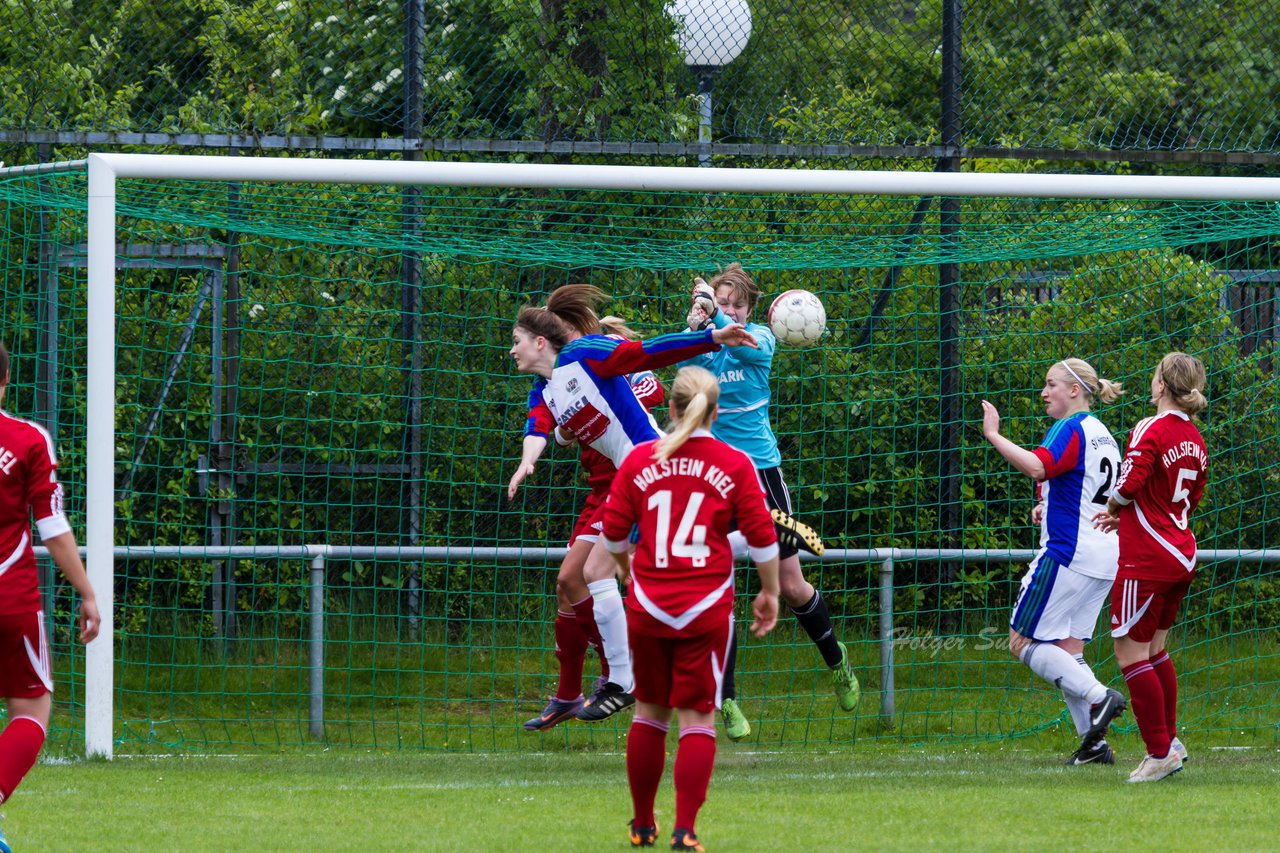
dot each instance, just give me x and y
(706, 81)
(99, 713)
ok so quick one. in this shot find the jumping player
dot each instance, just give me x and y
(686, 491)
(1160, 485)
(29, 488)
(1063, 590)
(743, 422)
(584, 386)
(575, 624)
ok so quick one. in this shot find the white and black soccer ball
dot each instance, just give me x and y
(797, 318)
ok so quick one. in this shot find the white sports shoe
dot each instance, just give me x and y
(1177, 747)
(1152, 769)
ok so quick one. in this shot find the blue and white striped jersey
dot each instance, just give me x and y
(1081, 462)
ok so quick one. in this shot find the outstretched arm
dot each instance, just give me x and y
(762, 353)
(614, 358)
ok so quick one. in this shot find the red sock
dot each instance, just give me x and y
(585, 610)
(1169, 684)
(646, 759)
(695, 758)
(20, 744)
(1146, 700)
(571, 651)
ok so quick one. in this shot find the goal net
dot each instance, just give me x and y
(310, 420)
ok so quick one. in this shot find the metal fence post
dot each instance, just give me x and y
(315, 647)
(886, 642)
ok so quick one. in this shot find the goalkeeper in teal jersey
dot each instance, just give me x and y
(743, 422)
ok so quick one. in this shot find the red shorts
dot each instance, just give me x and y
(25, 671)
(680, 672)
(1140, 607)
(590, 521)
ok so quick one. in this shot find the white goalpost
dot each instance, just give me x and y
(105, 170)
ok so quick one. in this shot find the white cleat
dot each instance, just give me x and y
(1177, 747)
(1153, 769)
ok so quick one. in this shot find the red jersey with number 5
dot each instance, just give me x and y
(682, 571)
(1161, 481)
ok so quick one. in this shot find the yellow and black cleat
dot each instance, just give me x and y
(797, 534)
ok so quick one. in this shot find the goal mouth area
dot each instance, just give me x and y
(238, 358)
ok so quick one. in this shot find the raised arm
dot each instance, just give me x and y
(1024, 460)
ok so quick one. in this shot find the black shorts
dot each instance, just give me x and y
(777, 496)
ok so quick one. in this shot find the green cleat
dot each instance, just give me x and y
(736, 726)
(845, 682)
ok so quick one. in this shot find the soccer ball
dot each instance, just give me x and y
(797, 318)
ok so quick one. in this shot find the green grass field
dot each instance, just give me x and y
(1010, 796)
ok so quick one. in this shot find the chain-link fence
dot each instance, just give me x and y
(645, 76)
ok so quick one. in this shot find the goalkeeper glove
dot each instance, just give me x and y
(703, 310)
(704, 297)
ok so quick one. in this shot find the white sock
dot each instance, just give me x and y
(1078, 706)
(1060, 668)
(738, 545)
(611, 619)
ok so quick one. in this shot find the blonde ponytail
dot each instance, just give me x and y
(1184, 378)
(1087, 378)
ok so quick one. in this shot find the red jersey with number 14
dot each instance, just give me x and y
(1161, 481)
(28, 487)
(682, 571)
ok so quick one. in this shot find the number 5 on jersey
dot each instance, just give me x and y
(1182, 495)
(690, 539)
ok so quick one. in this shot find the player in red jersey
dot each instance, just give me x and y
(29, 488)
(686, 491)
(575, 624)
(1160, 484)
(582, 384)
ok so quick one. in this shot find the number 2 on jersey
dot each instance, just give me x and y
(1106, 469)
(690, 538)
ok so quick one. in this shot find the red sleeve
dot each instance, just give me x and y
(632, 356)
(749, 506)
(44, 493)
(1136, 467)
(649, 391)
(1068, 460)
(540, 421)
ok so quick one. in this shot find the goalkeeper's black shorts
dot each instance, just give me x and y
(778, 496)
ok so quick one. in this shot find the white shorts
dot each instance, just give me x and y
(1057, 602)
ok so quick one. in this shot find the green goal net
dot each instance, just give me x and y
(316, 419)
